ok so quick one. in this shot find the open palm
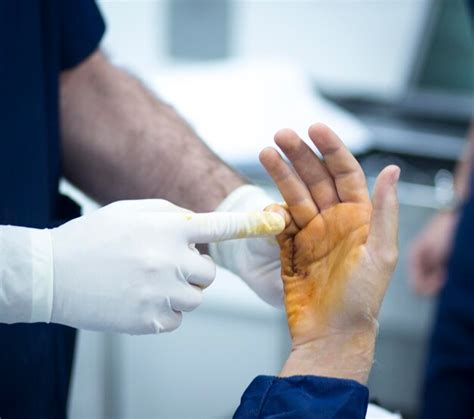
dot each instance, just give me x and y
(339, 248)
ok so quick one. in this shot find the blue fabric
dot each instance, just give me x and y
(449, 381)
(303, 397)
(38, 39)
(448, 389)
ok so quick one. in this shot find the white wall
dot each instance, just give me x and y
(135, 33)
(348, 45)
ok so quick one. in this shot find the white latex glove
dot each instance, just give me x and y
(129, 267)
(255, 260)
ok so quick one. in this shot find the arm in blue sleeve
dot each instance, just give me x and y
(82, 28)
(303, 397)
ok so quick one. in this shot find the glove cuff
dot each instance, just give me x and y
(43, 276)
(243, 199)
(26, 275)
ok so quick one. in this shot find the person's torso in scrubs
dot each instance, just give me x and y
(449, 378)
(38, 39)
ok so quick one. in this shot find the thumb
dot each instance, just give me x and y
(218, 226)
(383, 235)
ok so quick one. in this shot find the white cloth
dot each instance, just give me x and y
(255, 260)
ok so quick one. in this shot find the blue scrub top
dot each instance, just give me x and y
(302, 397)
(38, 39)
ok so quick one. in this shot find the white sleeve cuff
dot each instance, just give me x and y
(26, 275)
(42, 275)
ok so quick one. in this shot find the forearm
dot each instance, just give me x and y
(120, 142)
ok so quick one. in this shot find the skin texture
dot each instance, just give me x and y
(338, 252)
(121, 142)
(318, 263)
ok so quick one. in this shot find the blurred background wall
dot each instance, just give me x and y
(375, 60)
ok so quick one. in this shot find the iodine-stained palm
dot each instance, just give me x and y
(321, 267)
(339, 247)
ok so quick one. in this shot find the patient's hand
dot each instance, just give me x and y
(337, 253)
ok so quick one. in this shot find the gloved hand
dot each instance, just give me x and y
(255, 260)
(129, 267)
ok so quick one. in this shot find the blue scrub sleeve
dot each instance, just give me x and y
(303, 397)
(82, 28)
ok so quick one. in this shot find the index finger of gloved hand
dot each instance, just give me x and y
(200, 270)
(282, 209)
(147, 205)
(219, 226)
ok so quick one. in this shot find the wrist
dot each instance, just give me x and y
(342, 355)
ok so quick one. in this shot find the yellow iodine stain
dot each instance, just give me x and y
(263, 224)
(317, 263)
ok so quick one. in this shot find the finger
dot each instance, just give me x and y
(147, 205)
(294, 192)
(346, 171)
(434, 284)
(383, 235)
(167, 322)
(200, 270)
(282, 209)
(428, 285)
(309, 167)
(218, 226)
(187, 298)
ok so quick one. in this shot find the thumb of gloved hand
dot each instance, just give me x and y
(128, 267)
